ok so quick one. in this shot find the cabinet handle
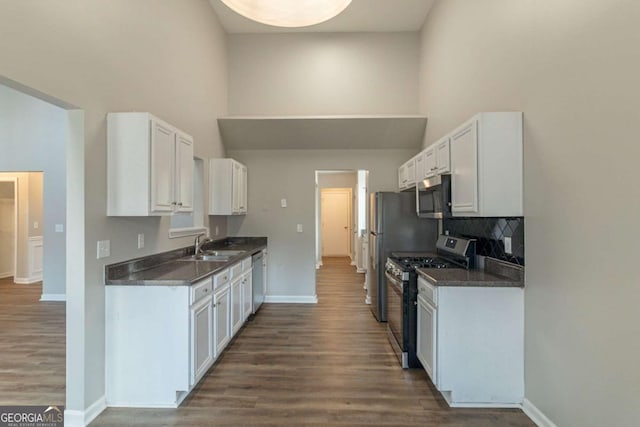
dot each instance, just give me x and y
(173, 203)
(180, 204)
(214, 305)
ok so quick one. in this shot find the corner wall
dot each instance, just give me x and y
(572, 67)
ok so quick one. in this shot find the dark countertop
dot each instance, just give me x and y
(495, 274)
(167, 268)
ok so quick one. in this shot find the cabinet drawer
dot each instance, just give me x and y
(200, 290)
(428, 291)
(220, 279)
(246, 264)
(236, 270)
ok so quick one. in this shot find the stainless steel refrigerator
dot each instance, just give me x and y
(394, 227)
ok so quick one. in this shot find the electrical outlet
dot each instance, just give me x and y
(104, 248)
(217, 230)
(507, 245)
(36, 225)
(283, 203)
(299, 228)
(140, 241)
(59, 228)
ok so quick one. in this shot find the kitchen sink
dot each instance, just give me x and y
(213, 255)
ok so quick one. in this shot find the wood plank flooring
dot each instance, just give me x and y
(328, 364)
(32, 346)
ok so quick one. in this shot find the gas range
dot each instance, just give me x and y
(402, 290)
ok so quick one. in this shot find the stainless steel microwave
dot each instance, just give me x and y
(433, 197)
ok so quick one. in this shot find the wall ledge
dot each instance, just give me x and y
(53, 297)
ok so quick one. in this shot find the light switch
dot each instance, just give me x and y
(299, 228)
(283, 203)
(59, 228)
(140, 241)
(36, 225)
(507, 245)
(104, 248)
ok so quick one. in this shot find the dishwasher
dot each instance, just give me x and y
(257, 278)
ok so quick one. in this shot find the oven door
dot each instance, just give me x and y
(395, 308)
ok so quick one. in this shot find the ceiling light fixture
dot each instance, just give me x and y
(288, 13)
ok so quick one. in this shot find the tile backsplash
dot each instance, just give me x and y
(490, 234)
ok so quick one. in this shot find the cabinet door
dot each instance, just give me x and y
(184, 173)
(411, 172)
(221, 321)
(443, 161)
(426, 338)
(243, 190)
(402, 176)
(201, 342)
(420, 167)
(236, 305)
(464, 169)
(247, 295)
(236, 181)
(162, 167)
(430, 162)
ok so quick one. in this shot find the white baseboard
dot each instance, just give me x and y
(353, 262)
(53, 297)
(367, 300)
(360, 270)
(536, 414)
(6, 274)
(27, 280)
(83, 418)
(291, 299)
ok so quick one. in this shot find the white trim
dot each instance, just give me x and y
(35, 244)
(16, 201)
(53, 297)
(484, 405)
(352, 262)
(187, 231)
(367, 299)
(26, 280)
(73, 418)
(360, 270)
(5, 275)
(536, 415)
(291, 299)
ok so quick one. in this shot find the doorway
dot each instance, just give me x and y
(336, 219)
(8, 226)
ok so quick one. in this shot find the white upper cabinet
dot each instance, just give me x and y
(149, 166)
(435, 160)
(443, 156)
(486, 166)
(227, 187)
(407, 174)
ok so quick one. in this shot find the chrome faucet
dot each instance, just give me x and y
(199, 243)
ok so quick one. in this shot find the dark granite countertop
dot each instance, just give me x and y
(496, 274)
(167, 268)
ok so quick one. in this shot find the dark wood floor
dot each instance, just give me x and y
(326, 364)
(32, 346)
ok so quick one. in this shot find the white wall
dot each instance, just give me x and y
(34, 134)
(323, 74)
(163, 56)
(572, 67)
(277, 174)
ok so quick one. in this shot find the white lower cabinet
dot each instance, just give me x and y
(201, 338)
(161, 340)
(221, 320)
(471, 343)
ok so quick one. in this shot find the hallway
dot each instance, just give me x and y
(324, 364)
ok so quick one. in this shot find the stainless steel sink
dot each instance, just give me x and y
(206, 257)
(213, 255)
(222, 252)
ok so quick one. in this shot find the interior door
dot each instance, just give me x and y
(336, 221)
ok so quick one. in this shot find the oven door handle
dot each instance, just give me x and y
(397, 283)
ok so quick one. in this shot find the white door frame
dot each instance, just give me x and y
(349, 191)
(15, 220)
